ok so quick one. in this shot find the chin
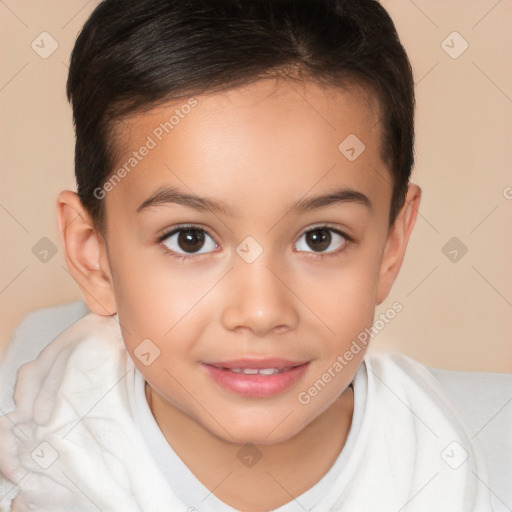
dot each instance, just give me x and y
(258, 432)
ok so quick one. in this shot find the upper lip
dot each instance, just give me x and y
(257, 364)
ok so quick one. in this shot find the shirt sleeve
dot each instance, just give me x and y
(37, 329)
(485, 398)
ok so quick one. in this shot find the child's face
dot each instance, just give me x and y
(260, 287)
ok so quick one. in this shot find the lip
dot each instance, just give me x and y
(258, 386)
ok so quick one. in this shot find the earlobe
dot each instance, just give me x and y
(396, 243)
(85, 253)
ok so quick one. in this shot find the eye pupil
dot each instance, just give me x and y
(191, 240)
(319, 239)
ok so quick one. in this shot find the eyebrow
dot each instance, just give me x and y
(171, 195)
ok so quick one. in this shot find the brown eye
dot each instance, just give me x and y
(188, 241)
(320, 239)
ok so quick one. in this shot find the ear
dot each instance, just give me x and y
(86, 254)
(398, 236)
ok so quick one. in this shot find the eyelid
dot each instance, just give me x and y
(326, 225)
(187, 258)
(169, 232)
(349, 240)
(329, 226)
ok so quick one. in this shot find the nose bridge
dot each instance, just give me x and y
(257, 298)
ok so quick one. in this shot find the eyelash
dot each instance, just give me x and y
(318, 256)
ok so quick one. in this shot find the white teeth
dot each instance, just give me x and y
(268, 371)
(254, 371)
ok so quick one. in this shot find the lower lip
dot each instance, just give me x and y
(256, 385)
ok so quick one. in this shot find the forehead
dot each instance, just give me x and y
(268, 140)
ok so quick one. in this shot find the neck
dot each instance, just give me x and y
(285, 470)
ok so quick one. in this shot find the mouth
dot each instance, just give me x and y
(256, 378)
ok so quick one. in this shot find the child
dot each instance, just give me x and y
(233, 374)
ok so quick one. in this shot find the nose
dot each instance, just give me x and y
(259, 299)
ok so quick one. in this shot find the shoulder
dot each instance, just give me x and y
(37, 329)
(85, 368)
(482, 399)
(477, 394)
(90, 344)
(480, 396)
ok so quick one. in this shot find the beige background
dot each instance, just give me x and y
(455, 314)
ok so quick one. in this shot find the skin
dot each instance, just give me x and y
(257, 148)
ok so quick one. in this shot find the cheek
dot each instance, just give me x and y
(159, 300)
(343, 294)
(143, 293)
(142, 280)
